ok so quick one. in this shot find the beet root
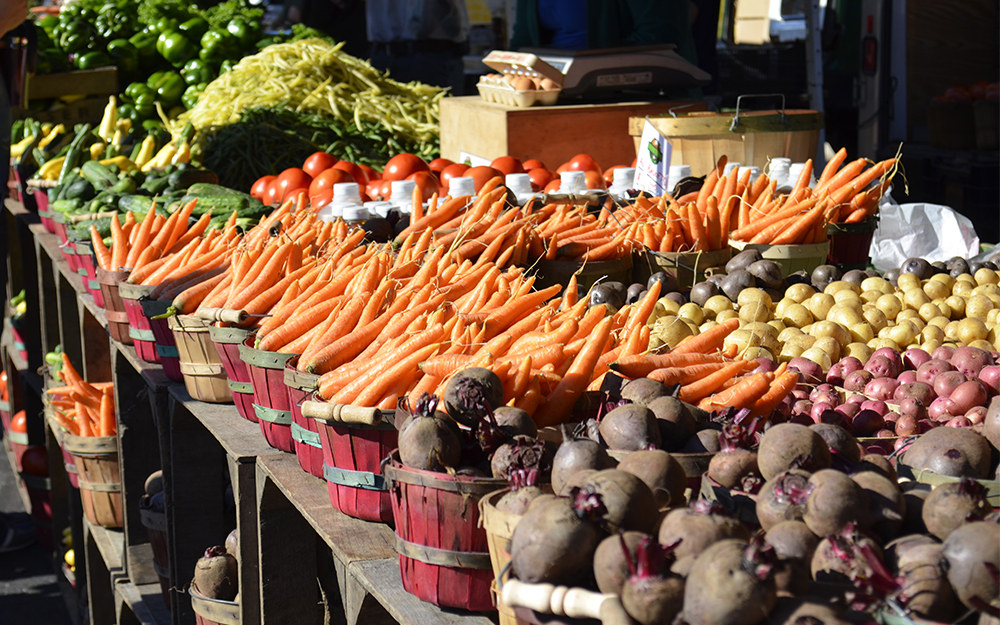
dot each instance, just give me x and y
(553, 543)
(973, 554)
(514, 421)
(839, 559)
(470, 393)
(697, 527)
(576, 454)
(951, 505)
(835, 500)
(783, 499)
(924, 581)
(732, 468)
(429, 444)
(629, 503)
(216, 574)
(886, 504)
(794, 544)
(958, 452)
(728, 586)
(630, 428)
(517, 501)
(611, 567)
(804, 611)
(660, 471)
(653, 600)
(791, 446)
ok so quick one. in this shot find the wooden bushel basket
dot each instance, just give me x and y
(68, 462)
(87, 269)
(156, 528)
(355, 440)
(551, 272)
(166, 345)
(138, 324)
(227, 343)
(96, 459)
(270, 403)
(114, 308)
(5, 415)
(213, 611)
(499, 528)
(204, 376)
(42, 200)
(687, 267)
(443, 553)
(305, 432)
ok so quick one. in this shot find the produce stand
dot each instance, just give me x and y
(290, 536)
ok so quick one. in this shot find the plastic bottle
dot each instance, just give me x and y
(623, 180)
(461, 185)
(793, 176)
(572, 182)
(730, 167)
(677, 173)
(754, 172)
(401, 195)
(346, 196)
(520, 184)
(380, 209)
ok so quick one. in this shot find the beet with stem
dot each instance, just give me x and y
(731, 584)
(735, 466)
(216, 574)
(651, 594)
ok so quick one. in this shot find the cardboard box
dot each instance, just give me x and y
(96, 82)
(752, 31)
(749, 9)
(86, 110)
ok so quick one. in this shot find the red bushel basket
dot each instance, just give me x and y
(850, 243)
(267, 373)
(87, 268)
(138, 323)
(355, 441)
(42, 200)
(227, 342)
(444, 556)
(305, 431)
(166, 344)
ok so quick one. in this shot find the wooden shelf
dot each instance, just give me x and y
(111, 544)
(145, 601)
(241, 439)
(152, 373)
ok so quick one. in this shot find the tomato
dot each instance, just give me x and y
(321, 199)
(3, 385)
(379, 190)
(507, 165)
(427, 183)
(533, 163)
(583, 162)
(438, 164)
(540, 177)
(318, 163)
(273, 194)
(609, 174)
(19, 422)
(562, 168)
(259, 188)
(293, 194)
(595, 180)
(553, 187)
(327, 179)
(452, 171)
(373, 174)
(403, 165)
(291, 178)
(372, 189)
(358, 175)
(35, 461)
(481, 175)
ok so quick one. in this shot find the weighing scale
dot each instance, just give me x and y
(599, 74)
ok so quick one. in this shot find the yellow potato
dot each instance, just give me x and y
(726, 315)
(956, 304)
(908, 281)
(799, 292)
(692, 312)
(708, 325)
(936, 289)
(716, 304)
(777, 324)
(930, 345)
(830, 328)
(782, 306)
(665, 306)
(797, 315)
(995, 299)
(842, 285)
(875, 317)
(962, 287)
(789, 351)
(944, 279)
(788, 333)
(819, 357)
(966, 277)
(861, 332)
(847, 297)
(754, 311)
(992, 316)
(943, 306)
(744, 339)
(931, 333)
(902, 333)
(859, 350)
(753, 353)
(844, 316)
(671, 330)
(951, 331)
(941, 322)
(916, 322)
(986, 289)
(819, 304)
(978, 306)
(981, 344)
(986, 276)
(748, 296)
(758, 327)
(915, 298)
(889, 305)
(829, 345)
(928, 311)
(805, 340)
(971, 329)
(879, 343)
(870, 297)
(874, 284)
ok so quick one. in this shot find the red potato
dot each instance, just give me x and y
(968, 395)
(946, 383)
(844, 367)
(730, 585)
(914, 357)
(930, 370)
(907, 377)
(857, 380)
(894, 356)
(876, 405)
(882, 388)
(867, 423)
(971, 360)
(944, 352)
(917, 390)
(882, 367)
(811, 372)
(941, 409)
(787, 446)
(990, 376)
(912, 407)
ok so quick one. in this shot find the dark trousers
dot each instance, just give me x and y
(441, 69)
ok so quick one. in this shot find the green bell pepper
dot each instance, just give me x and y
(175, 47)
(197, 71)
(76, 37)
(93, 60)
(145, 45)
(135, 89)
(153, 79)
(48, 23)
(169, 89)
(190, 97)
(225, 67)
(194, 28)
(125, 54)
(128, 111)
(218, 45)
(246, 32)
(164, 24)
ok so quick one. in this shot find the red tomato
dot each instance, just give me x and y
(454, 170)
(291, 178)
(3, 385)
(373, 174)
(595, 180)
(481, 175)
(358, 175)
(427, 183)
(540, 177)
(293, 194)
(583, 162)
(438, 164)
(609, 174)
(321, 199)
(379, 190)
(19, 422)
(553, 187)
(364, 197)
(259, 188)
(35, 461)
(533, 163)
(372, 189)
(273, 193)
(507, 165)
(327, 179)
(403, 165)
(562, 168)
(318, 163)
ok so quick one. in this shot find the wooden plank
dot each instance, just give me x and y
(101, 599)
(350, 539)
(240, 439)
(144, 601)
(286, 552)
(47, 300)
(103, 81)
(110, 543)
(152, 374)
(22, 269)
(69, 321)
(21, 490)
(381, 579)
(243, 476)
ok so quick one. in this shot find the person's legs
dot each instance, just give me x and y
(441, 69)
(16, 532)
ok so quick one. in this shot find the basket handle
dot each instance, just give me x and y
(736, 115)
(565, 601)
(342, 413)
(226, 315)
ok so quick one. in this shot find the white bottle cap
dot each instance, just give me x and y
(330, 212)
(518, 183)
(346, 193)
(779, 162)
(378, 208)
(402, 191)
(624, 176)
(754, 172)
(461, 185)
(572, 182)
(730, 167)
(355, 213)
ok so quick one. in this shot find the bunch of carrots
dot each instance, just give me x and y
(136, 244)
(82, 408)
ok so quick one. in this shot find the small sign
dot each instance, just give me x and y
(472, 160)
(652, 167)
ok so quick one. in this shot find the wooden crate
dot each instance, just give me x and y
(551, 134)
(97, 82)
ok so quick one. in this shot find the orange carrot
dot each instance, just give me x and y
(100, 250)
(831, 168)
(693, 392)
(783, 384)
(685, 375)
(802, 225)
(107, 424)
(119, 245)
(741, 395)
(714, 224)
(641, 365)
(380, 385)
(708, 341)
(560, 402)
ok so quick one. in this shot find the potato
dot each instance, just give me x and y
(797, 315)
(941, 322)
(819, 304)
(692, 312)
(844, 315)
(986, 289)
(671, 330)
(753, 353)
(951, 331)
(782, 306)
(819, 357)
(725, 315)
(754, 311)
(983, 344)
(978, 306)
(789, 351)
(962, 287)
(708, 325)
(805, 340)
(829, 345)
(875, 317)
(874, 284)
(870, 297)
(986, 276)
(846, 296)
(665, 306)
(889, 305)
(993, 316)
(930, 345)
(971, 329)
(788, 333)
(928, 311)
(748, 296)
(777, 324)
(935, 289)
(859, 350)
(717, 304)
(931, 333)
(942, 306)
(799, 292)
(842, 285)
(943, 278)
(908, 281)
(902, 333)
(744, 339)
(832, 329)
(915, 298)
(759, 327)
(879, 343)
(861, 332)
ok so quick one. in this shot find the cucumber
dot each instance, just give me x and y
(184, 178)
(135, 203)
(80, 190)
(98, 175)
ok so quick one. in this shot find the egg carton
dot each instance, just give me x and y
(502, 93)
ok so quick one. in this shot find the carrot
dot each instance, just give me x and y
(715, 224)
(641, 365)
(380, 385)
(804, 177)
(100, 250)
(188, 301)
(361, 384)
(685, 375)
(83, 421)
(831, 168)
(433, 220)
(757, 226)
(560, 402)
(511, 311)
(295, 327)
(801, 226)
(532, 398)
(698, 234)
(107, 424)
(119, 245)
(846, 174)
(142, 237)
(742, 395)
(708, 341)
(783, 384)
(69, 373)
(693, 392)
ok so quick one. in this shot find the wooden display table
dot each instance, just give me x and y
(551, 134)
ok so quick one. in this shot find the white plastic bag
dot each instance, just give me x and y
(929, 231)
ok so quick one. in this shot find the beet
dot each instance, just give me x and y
(783, 499)
(731, 584)
(468, 390)
(840, 558)
(791, 446)
(574, 455)
(704, 441)
(216, 574)
(676, 421)
(514, 421)
(555, 540)
(697, 527)
(629, 504)
(661, 472)
(886, 506)
(922, 570)
(630, 428)
(794, 544)
(429, 444)
(611, 566)
(804, 611)
(735, 466)
(522, 454)
(839, 440)
(643, 391)
(834, 502)
(956, 452)
(651, 595)
(233, 544)
(973, 554)
(951, 505)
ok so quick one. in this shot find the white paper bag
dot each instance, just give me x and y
(929, 231)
